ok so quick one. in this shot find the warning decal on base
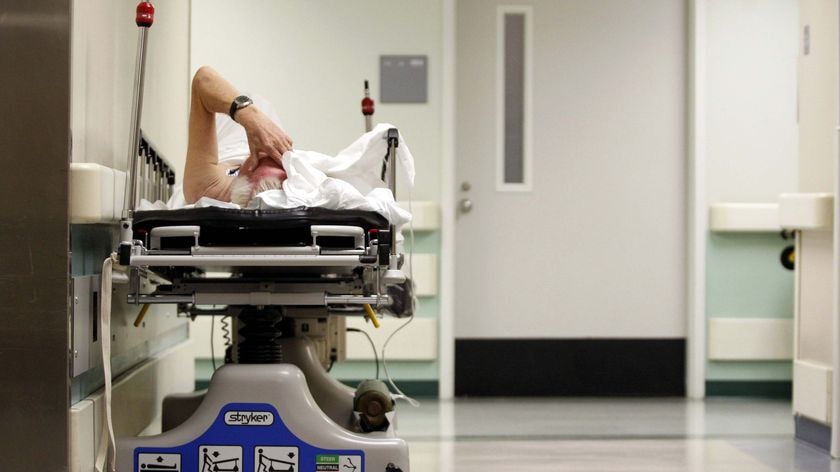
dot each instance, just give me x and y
(276, 458)
(247, 437)
(160, 462)
(220, 458)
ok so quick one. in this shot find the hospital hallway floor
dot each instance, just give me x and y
(605, 435)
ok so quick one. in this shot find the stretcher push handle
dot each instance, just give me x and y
(145, 16)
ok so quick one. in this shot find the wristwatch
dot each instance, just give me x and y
(239, 103)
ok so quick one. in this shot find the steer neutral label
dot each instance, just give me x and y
(337, 463)
(249, 418)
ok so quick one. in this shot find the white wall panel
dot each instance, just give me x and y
(812, 391)
(417, 342)
(425, 273)
(815, 304)
(817, 104)
(103, 59)
(200, 335)
(744, 217)
(310, 60)
(96, 193)
(82, 427)
(426, 215)
(750, 339)
(751, 116)
(812, 211)
(137, 399)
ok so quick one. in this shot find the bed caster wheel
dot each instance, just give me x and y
(402, 299)
(392, 468)
(372, 401)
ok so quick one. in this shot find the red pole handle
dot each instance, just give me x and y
(145, 14)
(367, 106)
(367, 102)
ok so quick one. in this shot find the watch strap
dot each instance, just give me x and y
(237, 104)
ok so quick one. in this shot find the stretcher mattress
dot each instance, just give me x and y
(244, 227)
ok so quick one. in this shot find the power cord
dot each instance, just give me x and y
(399, 393)
(212, 341)
(372, 346)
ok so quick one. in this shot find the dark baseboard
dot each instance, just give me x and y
(782, 389)
(570, 367)
(813, 433)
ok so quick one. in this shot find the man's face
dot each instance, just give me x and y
(267, 169)
(268, 175)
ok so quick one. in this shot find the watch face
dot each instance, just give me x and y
(242, 100)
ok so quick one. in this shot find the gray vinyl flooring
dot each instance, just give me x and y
(644, 435)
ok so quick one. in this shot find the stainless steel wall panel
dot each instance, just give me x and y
(34, 291)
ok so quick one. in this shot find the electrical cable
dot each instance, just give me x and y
(225, 322)
(212, 341)
(399, 393)
(372, 346)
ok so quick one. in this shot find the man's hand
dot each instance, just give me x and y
(265, 138)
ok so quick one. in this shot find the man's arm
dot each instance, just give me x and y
(212, 94)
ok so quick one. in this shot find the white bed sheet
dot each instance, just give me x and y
(347, 181)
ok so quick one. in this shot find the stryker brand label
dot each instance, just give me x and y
(249, 418)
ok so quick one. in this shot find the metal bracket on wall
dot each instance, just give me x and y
(84, 351)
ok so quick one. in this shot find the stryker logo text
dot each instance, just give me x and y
(249, 418)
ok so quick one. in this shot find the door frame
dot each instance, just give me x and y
(446, 373)
(697, 213)
(697, 206)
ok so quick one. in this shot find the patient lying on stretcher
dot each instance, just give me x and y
(249, 161)
(236, 176)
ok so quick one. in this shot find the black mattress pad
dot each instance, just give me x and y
(243, 227)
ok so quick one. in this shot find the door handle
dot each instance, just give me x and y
(465, 205)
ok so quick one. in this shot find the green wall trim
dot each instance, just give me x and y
(751, 371)
(749, 388)
(412, 388)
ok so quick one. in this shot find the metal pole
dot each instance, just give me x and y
(393, 142)
(144, 19)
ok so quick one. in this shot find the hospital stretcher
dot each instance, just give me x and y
(285, 257)
(273, 272)
(276, 274)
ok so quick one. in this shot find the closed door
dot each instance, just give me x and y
(571, 183)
